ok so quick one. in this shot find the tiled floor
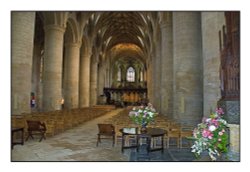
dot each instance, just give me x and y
(79, 144)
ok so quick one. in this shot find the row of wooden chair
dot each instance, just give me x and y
(58, 121)
(176, 134)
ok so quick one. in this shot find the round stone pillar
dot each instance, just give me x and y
(167, 65)
(93, 82)
(212, 23)
(150, 80)
(84, 80)
(157, 73)
(101, 79)
(22, 36)
(52, 81)
(71, 87)
(188, 87)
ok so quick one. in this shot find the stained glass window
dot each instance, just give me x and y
(131, 74)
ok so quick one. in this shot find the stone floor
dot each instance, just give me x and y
(79, 144)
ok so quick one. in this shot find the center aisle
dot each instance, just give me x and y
(76, 144)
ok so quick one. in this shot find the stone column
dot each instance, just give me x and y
(144, 78)
(167, 65)
(149, 81)
(212, 22)
(52, 86)
(188, 88)
(36, 84)
(93, 82)
(71, 97)
(84, 80)
(106, 78)
(157, 74)
(137, 76)
(101, 81)
(22, 36)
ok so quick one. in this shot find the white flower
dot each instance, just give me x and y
(212, 128)
(208, 119)
(151, 114)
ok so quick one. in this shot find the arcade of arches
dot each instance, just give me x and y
(184, 63)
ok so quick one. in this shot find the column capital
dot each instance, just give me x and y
(54, 27)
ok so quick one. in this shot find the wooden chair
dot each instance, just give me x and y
(186, 131)
(36, 128)
(129, 138)
(106, 130)
(174, 133)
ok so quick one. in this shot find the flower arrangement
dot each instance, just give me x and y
(211, 135)
(143, 115)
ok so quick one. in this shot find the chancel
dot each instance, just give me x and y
(76, 70)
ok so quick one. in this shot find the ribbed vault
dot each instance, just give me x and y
(119, 31)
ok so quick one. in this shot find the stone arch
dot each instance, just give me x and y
(85, 47)
(72, 34)
(55, 18)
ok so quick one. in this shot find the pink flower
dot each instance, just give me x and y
(219, 111)
(210, 136)
(220, 133)
(219, 139)
(206, 133)
(215, 122)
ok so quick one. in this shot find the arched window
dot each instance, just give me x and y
(119, 74)
(131, 74)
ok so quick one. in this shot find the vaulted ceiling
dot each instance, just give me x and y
(120, 31)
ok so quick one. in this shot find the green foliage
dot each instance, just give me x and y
(142, 115)
(211, 135)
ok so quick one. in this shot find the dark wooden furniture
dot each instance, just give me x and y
(150, 135)
(107, 131)
(36, 128)
(126, 133)
(117, 96)
(230, 57)
(13, 132)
